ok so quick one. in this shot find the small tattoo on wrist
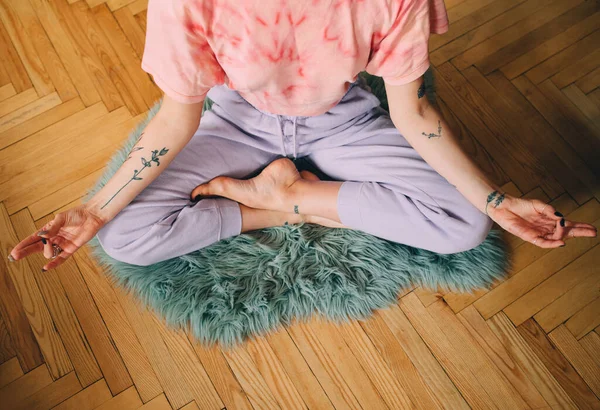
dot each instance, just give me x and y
(490, 198)
(499, 200)
(296, 211)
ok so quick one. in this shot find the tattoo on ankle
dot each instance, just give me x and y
(421, 90)
(136, 173)
(286, 223)
(432, 135)
(296, 211)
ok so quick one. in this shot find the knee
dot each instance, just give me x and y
(119, 244)
(465, 233)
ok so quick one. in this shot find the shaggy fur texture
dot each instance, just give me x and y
(253, 283)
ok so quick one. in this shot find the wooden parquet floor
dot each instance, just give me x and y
(519, 81)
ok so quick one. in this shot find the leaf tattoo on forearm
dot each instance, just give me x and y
(134, 148)
(136, 173)
(432, 135)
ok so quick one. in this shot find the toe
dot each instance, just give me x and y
(309, 176)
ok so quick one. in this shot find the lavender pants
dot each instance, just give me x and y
(390, 191)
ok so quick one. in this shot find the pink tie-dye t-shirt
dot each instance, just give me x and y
(288, 57)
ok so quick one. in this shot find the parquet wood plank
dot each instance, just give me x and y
(119, 327)
(17, 101)
(577, 356)
(115, 5)
(31, 299)
(12, 66)
(91, 44)
(22, 42)
(466, 7)
(57, 302)
(253, 383)
(51, 62)
(473, 147)
(10, 371)
(556, 44)
(591, 344)
(298, 370)
(500, 356)
(227, 385)
(15, 318)
(132, 30)
(528, 278)
(565, 57)
(584, 321)
(580, 191)
(191, 368)
(138, 6)
(161, 403)
(557, 365)
(392, 392)
(7, 91)
(585, 105)
(37, 143)
(525, 357)
(88, 398)
(142, 83)
(91, 322)
(7, 351)
(56, 200)
(69, 54)
(481, 33)
(423, 379)
(589, 82)
(127, 400)
(495, 383)
(452, 360)
(533, 37)
(576, 298)
(554, 287)
(24, 386)
(551, 104)
(40, 122)
(29, 111)
(575, 71)
(484, 123)
(92, 157)
(190, 406)
(141, 19)
(274, 374)
(540, 157)
(51, 395)
(171, 379)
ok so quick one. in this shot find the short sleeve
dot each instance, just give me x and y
(177, 53)
(399, 51)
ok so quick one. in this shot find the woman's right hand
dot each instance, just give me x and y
(69, 230)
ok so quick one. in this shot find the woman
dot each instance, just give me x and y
(282, 77)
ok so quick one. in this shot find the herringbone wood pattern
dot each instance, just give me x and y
(517, 79)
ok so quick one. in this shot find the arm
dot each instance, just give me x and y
(425, 129)
(164, 137)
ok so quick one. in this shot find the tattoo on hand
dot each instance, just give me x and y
(499, 200)
(432, 135)
(296, 211)
(147, 164)
(421, 91)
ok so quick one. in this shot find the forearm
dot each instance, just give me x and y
(164, 137)
(433, 139)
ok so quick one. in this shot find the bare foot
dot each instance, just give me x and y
(269, 190)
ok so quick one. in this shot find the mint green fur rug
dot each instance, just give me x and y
(253, 283)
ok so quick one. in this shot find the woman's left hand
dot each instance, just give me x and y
(537, 222)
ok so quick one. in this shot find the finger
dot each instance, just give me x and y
(547, 243)
(17, 252)
(48, 251)
(22, 252)
(53, 227)
(60, 259)
(577, 232)
(547, 210)
(583, 225)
